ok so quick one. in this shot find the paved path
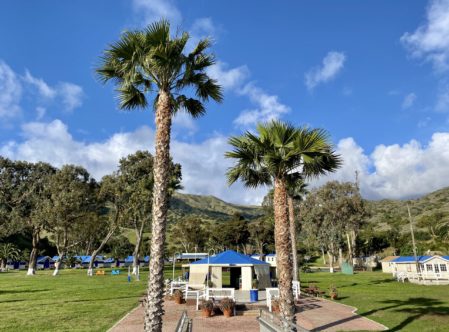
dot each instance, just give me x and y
(316, 314)
(313, 314)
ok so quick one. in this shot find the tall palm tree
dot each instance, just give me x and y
(296, 190)
(152, 62)
(278, 151)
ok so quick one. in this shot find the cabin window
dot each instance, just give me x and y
(409, 268)
(429, 267)
(421, 268)
(443, 267)
(437, 268)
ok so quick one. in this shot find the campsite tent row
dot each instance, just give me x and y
(47, 262)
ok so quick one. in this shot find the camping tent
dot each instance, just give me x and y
(242, 268)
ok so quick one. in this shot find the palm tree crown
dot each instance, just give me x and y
(280, 151)
(151, 60)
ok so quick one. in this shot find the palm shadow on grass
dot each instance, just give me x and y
(13, 291)
(414, 307)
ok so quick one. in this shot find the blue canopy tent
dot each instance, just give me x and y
(44, 262)
(243, 270)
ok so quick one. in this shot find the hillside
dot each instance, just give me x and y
(208, 207)
(385, 211)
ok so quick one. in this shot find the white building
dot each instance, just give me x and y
(423, 269)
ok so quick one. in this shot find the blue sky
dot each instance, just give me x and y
(373, 73)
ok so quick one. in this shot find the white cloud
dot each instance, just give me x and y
(396, 171)
(183, 121)
(268, 107)
(409, 100)
(154, 10)
(393, 171)
(228, 78)
(10, 92)
(203, 163)
(430, 40)
(71, 95)
(42, 87)
(333, 63)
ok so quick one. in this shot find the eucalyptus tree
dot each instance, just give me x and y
(279, 150)
(153, 63)
(70, 197)
(111, 200)
(333, 209)
(136, 175)
(22, 194)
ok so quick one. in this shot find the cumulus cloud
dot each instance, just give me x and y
(268, 107)
(390, 171)
(154, 10)
(203, 163)
(228, 78)
(430, 40)
(408, 101)
(10, 92)
(332, 64)
(396, 171)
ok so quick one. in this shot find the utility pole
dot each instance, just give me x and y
(413, 237)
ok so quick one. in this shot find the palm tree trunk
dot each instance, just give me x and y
(283, 253)
(292, 224)
(34, 251)
(154, 310)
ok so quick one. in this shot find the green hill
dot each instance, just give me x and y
(208, 207)
(386, 211)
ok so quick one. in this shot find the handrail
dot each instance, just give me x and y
(275, 323)
(184, 323)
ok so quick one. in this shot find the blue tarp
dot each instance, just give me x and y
(230, 257)
(129, 259)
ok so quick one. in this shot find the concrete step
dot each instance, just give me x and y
(249, 313)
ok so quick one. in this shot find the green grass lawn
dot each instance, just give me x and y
(75, 302)
(69, 302)
(401, 307)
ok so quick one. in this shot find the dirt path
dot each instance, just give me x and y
(313, 314)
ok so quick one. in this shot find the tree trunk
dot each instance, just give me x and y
(154, 310)
(61, 251)
(331, 262)
(283, 253)
(2, 264)
(349, 248)
(340, 256)
(139, 232)
(34, 251)
(90, 269)
(58, 263)
(324, 256)
(292, 224)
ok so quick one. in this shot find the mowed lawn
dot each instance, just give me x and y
(399, 306)
(69, 302)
